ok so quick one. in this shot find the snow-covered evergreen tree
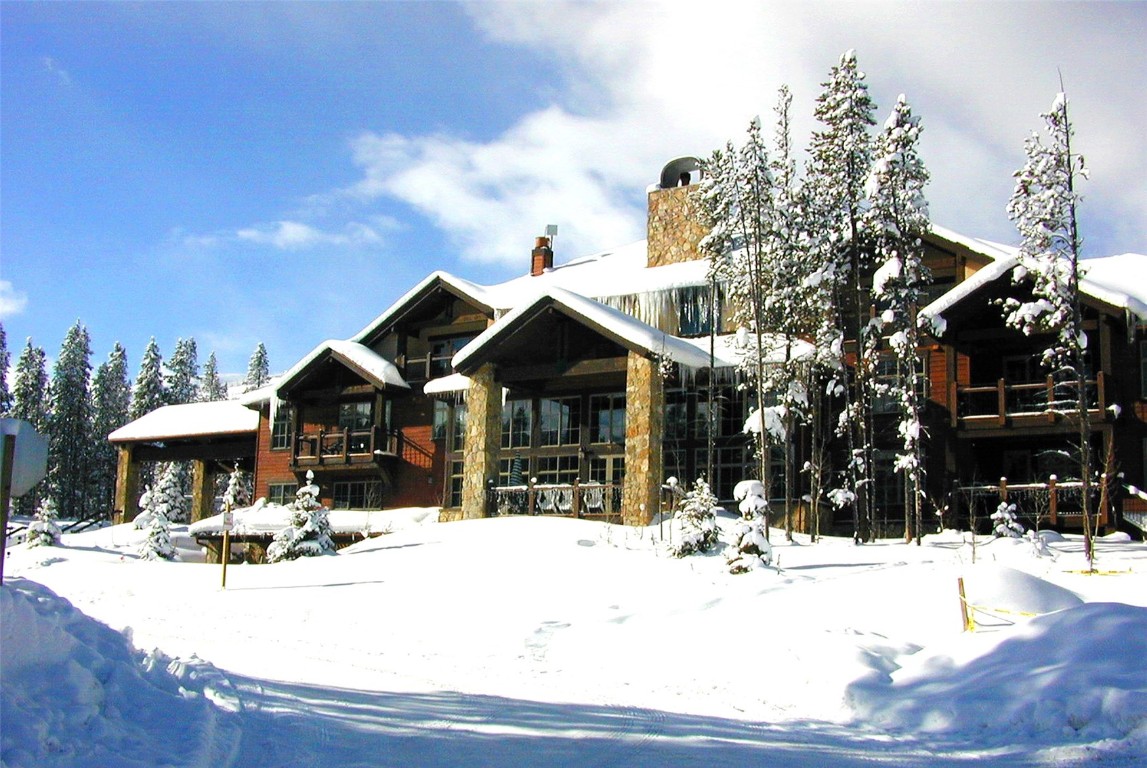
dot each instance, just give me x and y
(1005, 523)
(841, 157)
(111, 403)
(70, 444)
(148, 392)
(167, 495)
(44, 531)
(212, 389)
(5, 359)
(157, 545)
(896, 222)
(238, 493)
(30, 403)
(749, 548)
(697, 521)
(310, 531)
(1043, 208)
(258, 369)
(144, 517)
(183, 373)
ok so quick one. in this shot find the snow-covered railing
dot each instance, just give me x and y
(1053, 502)
(997, 403)
(577, 499)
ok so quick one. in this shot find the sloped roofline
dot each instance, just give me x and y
(463, 289)
(361, 359)
(190, 420)
(615, 325)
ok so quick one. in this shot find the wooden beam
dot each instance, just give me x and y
(556, 370)
(236, 449)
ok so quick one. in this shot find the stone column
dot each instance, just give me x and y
(483, 440)
(126, 486)
(202, 490)
(644, 427)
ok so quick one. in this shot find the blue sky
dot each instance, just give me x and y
(281, 172)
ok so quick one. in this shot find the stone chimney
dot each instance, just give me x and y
(542, 257)
(674, 227)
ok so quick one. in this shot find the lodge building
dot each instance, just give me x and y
(580, 387)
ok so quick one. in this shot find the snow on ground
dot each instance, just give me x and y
(552, 642)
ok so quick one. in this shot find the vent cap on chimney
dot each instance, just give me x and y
(677, 172)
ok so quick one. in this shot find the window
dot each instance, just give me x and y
(355, 416)
(560, 421)
(357, 494)
(555, 470)
(281, 493)
(607, 418)
(731, 465)
(458, 438)
(454, 489)
(507, 475)
(441, 420)
(281, 429)
(517, 423)
(442, 352)
(676, 415)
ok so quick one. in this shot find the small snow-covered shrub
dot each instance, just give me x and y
(310, 531)
(157, 545)
(238, 493)
(697, 520)
(1005, 522)
(43, 531)
(749, 548)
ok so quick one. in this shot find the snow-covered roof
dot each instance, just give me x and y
(627, 331)
(992, 250)
(478, 294)
(727, 355)
(361, 359)
(454, 382)
(1120, 281)
(228, 417)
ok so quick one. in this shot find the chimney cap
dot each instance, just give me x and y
(678, 170)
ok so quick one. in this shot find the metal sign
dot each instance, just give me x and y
(30, 457)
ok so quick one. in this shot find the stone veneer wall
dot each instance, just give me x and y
(674, 227)
(644, 425)
(483, 439)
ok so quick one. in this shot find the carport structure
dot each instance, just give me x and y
(212, 436)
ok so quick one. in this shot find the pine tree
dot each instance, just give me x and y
(167, 496)
(148, 392)
(1043, 207)
(212, 389)
(111, 404)
(183, 373)
(70, 445)
(157, 545)
(5, 359)
(841, 158)
(1004, 522)
(697, 521)
(258, 369)
(896, 222)
(44, 530)
(238, 493)
(310, 531)
(30, 403)
(750, 548)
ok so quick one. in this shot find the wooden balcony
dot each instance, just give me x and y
(1018, 406)
(344, 447)
(1055, 502)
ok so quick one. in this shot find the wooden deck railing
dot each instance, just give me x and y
(345, 446)
(1054, 502)
(577, 499)
(998, 404)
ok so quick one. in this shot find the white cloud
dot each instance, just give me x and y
(12, 302)
(53, 67)
(295, 236)
(645, 82)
